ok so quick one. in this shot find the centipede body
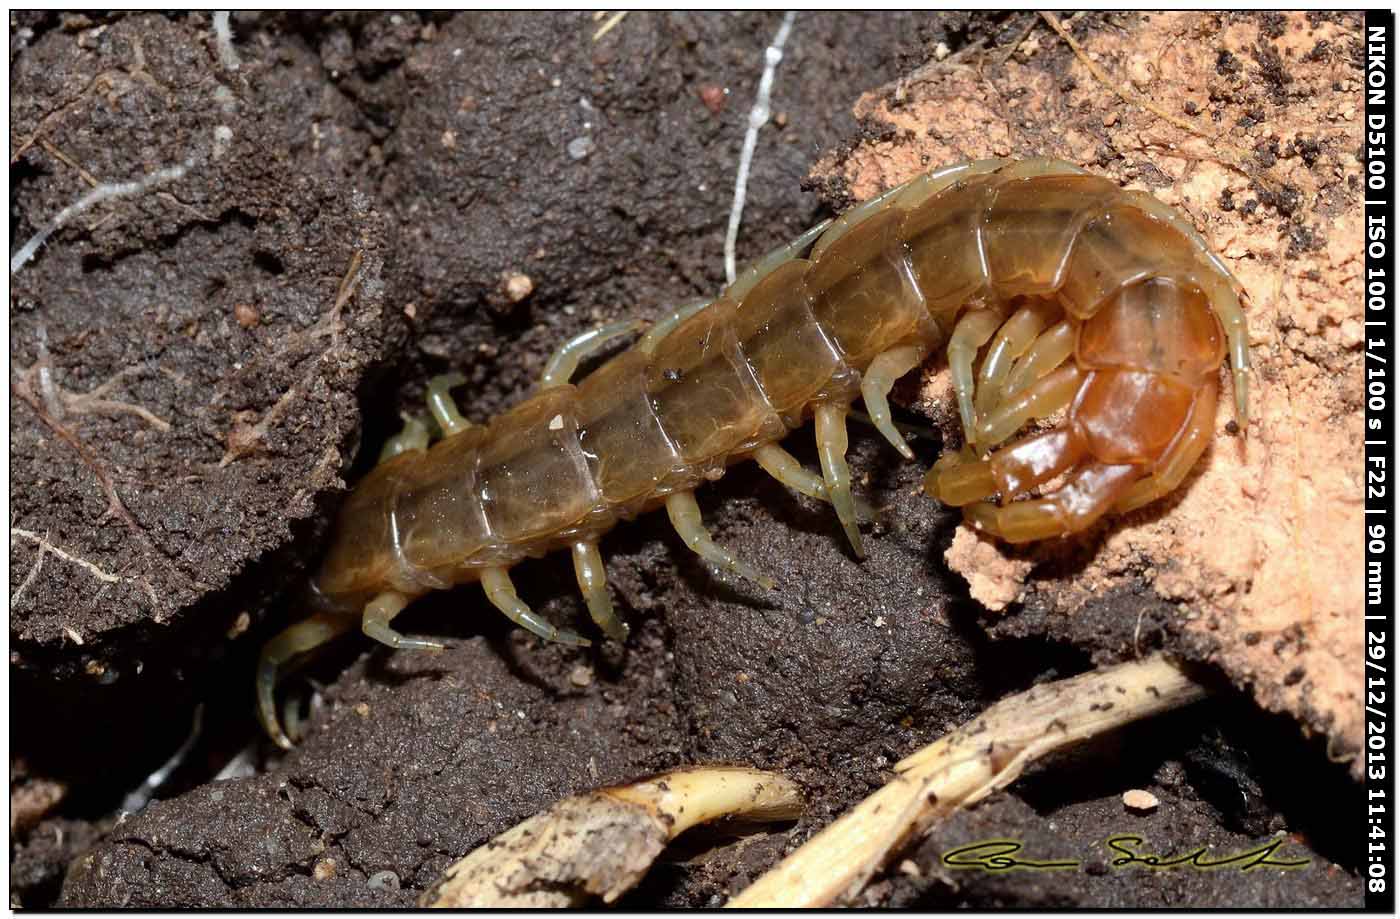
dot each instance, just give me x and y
(1049, 288)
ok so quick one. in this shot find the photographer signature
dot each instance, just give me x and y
(1003, 855)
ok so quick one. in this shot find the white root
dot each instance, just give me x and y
(223, 39)
(962, 768)
(758, 117)
(103, 192)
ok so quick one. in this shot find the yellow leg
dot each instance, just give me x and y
(969, 335)
(1016, 335)
(593, 583)
(501, 592)
(875, 388)
(381, 611)
(831, 448)
(684, 512)
(1045, 397)
(1075, 506)
(292, 642)
(563, 364)
(440, 404)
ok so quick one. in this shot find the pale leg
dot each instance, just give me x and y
(563, 364)
(1050, 350)
(875, 388)
(831, 448)
(784, 467)
(685, 517)
(970, 334)
(745, 280)
(381, 611)
(593, 583)
(440, 404)
(288, 644)
(663, 326)
(1015, 336)
(413, 436)
(1232, 317)
(1044, 398)
(501, 592)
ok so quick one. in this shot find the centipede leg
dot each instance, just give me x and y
(442, 407)
(563, 364)
(413, 436)
(875, 388)
(593, 583)
(292, 642)
(831, 449)
(291, 719)
(962, 479)
(1049, 351)
(1232, 317)
(786, 468)
(970, 334)
(1181, 457)
(764, 266)
(684, 512)
(501, 592)
(381, 611)
(1015, 336)
(1075, 506)
(1047, 396)
(663, 326)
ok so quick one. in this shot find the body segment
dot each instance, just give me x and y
(1074, 294)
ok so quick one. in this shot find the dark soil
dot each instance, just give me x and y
(357, 194)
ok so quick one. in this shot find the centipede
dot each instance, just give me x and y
(1054, 293)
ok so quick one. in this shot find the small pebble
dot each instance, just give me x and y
(246, 314)
(324, 870)
(240, 625)
(580, 147)
(362, 709)
(713, 97)
(581, 676)
(223, 136)
(518, 287)
(383, 880)
(1139, 800)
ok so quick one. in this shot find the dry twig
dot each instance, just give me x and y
(603, 842)
(985, 755)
